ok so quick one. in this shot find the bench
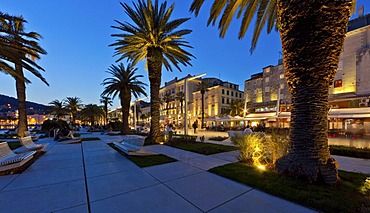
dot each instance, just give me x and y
(28, 145)
(10, 160)
(33, 136)
(132, 143)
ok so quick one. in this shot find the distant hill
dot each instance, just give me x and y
(5, 100)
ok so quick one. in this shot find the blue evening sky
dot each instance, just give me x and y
(76, 35)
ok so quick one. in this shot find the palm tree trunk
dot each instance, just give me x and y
(21, 95)
(125, 104)
(106, 113)
(312, 34)
(155, 75)
(202, 125)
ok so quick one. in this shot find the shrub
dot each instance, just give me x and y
(49, 124)
(260, 149)
(350, 151)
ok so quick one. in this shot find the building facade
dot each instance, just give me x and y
(349, 95)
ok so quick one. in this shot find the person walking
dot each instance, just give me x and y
(195, 126)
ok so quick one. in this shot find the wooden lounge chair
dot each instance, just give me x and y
(29, 145)
(33, 136)
(10, 160)
(131, 144)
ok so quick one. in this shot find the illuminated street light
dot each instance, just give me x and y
(186, 100)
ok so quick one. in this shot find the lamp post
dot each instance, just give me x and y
(186, 100)
(135, 110)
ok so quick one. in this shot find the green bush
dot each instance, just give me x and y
(49, 124)
(260, 149)
(350, 151)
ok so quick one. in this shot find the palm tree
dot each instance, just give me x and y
(237, 107)
(180, 97)
(312, 35)
(167, 98)
(123, 83)
(203, 88)
(153, 38)
(57, 108)
(7, 52)
(92, 113)
(106, 101)
(26, 49)
(73, 105)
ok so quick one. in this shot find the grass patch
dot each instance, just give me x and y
(24, 166)
(150, 160)
(350, 151)
(202, 148)
(218, 138)
(91, 139)
(343, 197)
(145, 161)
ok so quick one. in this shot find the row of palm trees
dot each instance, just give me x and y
(18, 50)
(73, 107)
(311, 55)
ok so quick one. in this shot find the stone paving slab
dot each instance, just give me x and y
(171, 171)
(104, 159)
(33, 179)
(205, 162)
(353, 164)
(232, 156)
(48, 165)
(5, 180)
(206, 190)
(257, 201)
(114, 184)
(46, 198)
(156, 198)
(77, 209)
(109, 168)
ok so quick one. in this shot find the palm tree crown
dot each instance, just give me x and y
(152, 37)
(123, 83)
(203, 88)
(73, 105)
(57, 108)
(106, 101)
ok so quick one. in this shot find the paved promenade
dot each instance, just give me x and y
(92, 177)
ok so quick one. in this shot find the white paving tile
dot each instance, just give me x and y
(206, 190)
(156, 198)
(6, 179)
(172, 171)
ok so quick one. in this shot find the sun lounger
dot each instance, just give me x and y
(10, 160)
(130, 144)
(29, 145)
(69, 140)
(33, 136)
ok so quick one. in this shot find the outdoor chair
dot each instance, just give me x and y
(130, 144)
(28, 145)
(10, 160)
(33, 136)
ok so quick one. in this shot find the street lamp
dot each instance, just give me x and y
(140, 99)
(186, 100)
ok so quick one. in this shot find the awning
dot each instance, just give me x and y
(260, 116)
(362, 112)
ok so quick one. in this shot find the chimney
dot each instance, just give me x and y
(360, 11)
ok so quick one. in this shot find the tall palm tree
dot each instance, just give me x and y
(92, 113)
(180, 97)
(123, 83)
(73, 105)
(237, 107)
(7, 52)
(203, 88)
(106, 101)
(152, 37)
(167, 98)
(57, 108)
(312, 35)
(26, 50)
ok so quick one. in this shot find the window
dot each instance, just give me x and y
(240, 95)
(281, 86)
(338, 83)
(223, 100)
(267, 69)
(232, 93)
(281, 75)
(236, 94)
(227, 101)
(267, 79)
(267, 89)
(223, 91)
(227, 92)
